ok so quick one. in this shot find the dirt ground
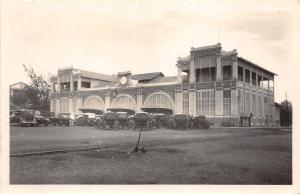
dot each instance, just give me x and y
(216, 156)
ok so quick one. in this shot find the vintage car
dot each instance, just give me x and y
(123, 118)
(161, 120)
(41, 120)
(141, 120)
(199, 122)
(23, 117)
(63, 119)
(110, 120)
(81, 119)
(181, 121)
(160, 117)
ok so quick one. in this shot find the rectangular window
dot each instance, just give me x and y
(185, 104)
(240, 73)
(253, 81)
(259, 80)
(206, 74)
(55, 87)
(227, 72)
(247, 76)
(65, 87)
(85, 84)
(213, 73)
(64, 105)
(227, 102)
(75, 86)
(205, 103)
(265, 100)
(74, 105)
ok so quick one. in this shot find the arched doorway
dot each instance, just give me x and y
(93, 102)
(124, 101)
(159, 100)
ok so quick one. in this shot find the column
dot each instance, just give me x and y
(219, 102)
(219, 68)
(79, 83)
(107, 100)
(71, 83)
(251, 77)
(256, 79)
(234, 102)
(78, 103)
(178, 102)
(52, 87)
(179, 77)
(51, 105)
(192, 70)
(70, 101)
(235, 68)
(57, 103)
(192, 102)
(139, 101)
(58, 83)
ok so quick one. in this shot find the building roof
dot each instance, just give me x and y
(218, 45)
(87, 74)
(255, 65)
(18, 86)
(146, 76)
(165, 79)
(99, 76)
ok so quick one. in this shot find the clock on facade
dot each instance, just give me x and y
(123, 80)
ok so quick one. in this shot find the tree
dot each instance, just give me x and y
(286, 113)
(38, 91)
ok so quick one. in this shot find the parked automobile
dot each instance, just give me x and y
(199, 122)
(23, 117)
(63, 119)
(81, 119)
(181, 121)
(123, 119)
(141, 120)
(41, 120)
(110, 120)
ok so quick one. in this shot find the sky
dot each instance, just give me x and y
(110, 37)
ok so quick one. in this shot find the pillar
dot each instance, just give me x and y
(79, 83)
(52, 105)
(57, 104)
(78, 104)
(58, 83)
(235, 68)
(219, 68)
(179, 77)
(107, 100)
(219, 102)
(192, 102)
(234, 102)
(178, 102)
(71, 83)
(70, 101)
(192, 70)
(251, 77)
(139, 101)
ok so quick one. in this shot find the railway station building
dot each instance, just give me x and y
(219, 84)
